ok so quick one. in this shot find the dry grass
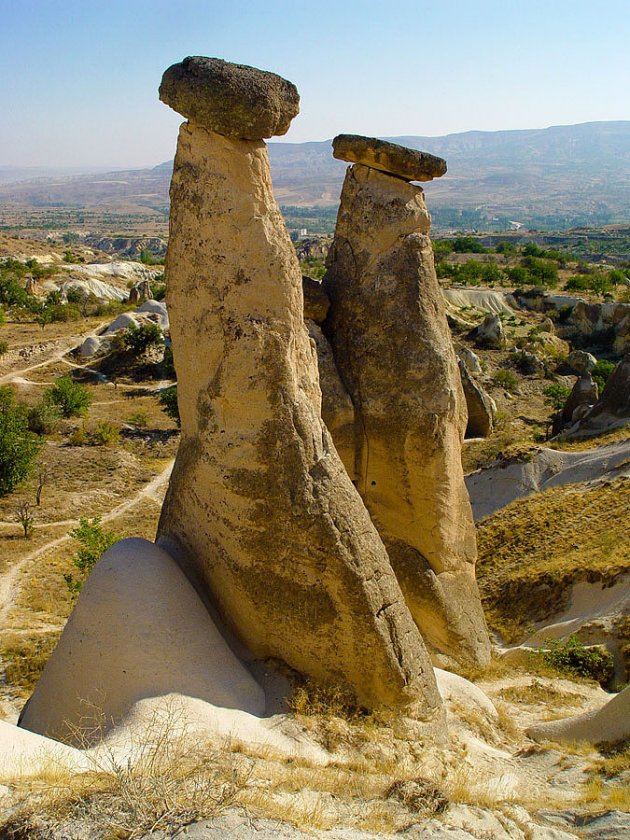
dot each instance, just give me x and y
(533, 549)
(171, 782)
(615, 758)
(24, 659)
(538, 692)
(603, 797)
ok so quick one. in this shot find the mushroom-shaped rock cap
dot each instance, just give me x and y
(409, 164)
(231, 99)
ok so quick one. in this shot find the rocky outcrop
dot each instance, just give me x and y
(581, 362)
(260, 510)
(584, 392)
(610, 723)
(232, 99)
(393, 351)
(401, 161)
(481, 407)
(139, 630)
(613, 407)
(490, 333)
(316, 301)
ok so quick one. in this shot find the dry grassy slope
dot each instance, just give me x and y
(533, 549)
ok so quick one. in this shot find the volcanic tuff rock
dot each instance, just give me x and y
(231, 99)
(584, 392)
(260, 511)
(481, 407)
(393, 350)
(490, 333)
(316, 301)
(409, 164)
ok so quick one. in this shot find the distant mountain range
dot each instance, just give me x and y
(563, 176)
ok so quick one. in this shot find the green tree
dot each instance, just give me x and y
(18, 446)
(72, 398)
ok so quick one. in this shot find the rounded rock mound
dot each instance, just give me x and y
(231, 99)
(400, 161)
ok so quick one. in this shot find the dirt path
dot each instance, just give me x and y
(9, 582)
(63, 346)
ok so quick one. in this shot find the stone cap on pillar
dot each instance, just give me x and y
(231, 99)
(400, 161)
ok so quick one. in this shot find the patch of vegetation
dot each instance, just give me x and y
(538, 692)
(93, 543)
(24, 660)
(534, 549)
(139, 339)
(556, 395)
(168, 400)
(506, 379)
(72, 398)
(601, 373)
(19, 447)
(572, 657)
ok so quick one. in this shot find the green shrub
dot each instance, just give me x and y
(468, 245)
(506, 248)
(140, 419)
(72, 398)
(572, 657)
(168, 363)
(105, 434)
(44, 417)
(506, 379)
(601, 373)
(556, 395)
(93, 542)
(18, 446)
(168, 399)
(4, 347)
(138, 340)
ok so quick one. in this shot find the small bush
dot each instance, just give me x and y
(506, 379)
(105, 434)
(572, 657)
(556, 395)
(78, 437)
(93, 542)
(168, 399)
(44, 417)
(138, 340)
(168, 364)
(601, 373)
(72, 398)
(4, 347)
(140, 419)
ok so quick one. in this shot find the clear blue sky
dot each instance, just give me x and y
(80, 77)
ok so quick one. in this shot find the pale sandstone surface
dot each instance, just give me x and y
(393, 350)
(609, 723)
(139, 630)
(337, 408)
(613, 407)
(409, 164)
(260, 510)
(24, 753)
(232, 99)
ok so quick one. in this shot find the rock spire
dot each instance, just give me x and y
(392, 348)
(260, 510)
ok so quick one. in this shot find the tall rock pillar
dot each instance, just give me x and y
(260, 510)
(393, 350)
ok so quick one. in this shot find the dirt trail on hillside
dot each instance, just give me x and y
(9, 581)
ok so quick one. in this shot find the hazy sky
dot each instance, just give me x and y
(80, 77)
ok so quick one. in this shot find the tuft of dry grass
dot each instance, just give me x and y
(24, 659)
(538, 692)
(171, 782)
